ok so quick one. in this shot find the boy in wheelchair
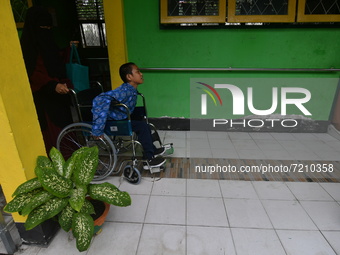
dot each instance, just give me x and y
(126, 94)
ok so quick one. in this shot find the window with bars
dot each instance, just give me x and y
(274, 7)
(178, 11)
(261, 10)
(91, 23)
(193, 8)
(318, 11)
(322, 7)
(191, 13)
(19, 8)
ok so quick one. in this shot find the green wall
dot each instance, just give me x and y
(168, 93)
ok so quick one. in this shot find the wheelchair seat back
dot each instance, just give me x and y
(82, 111)
(82, 103)
(118, 128)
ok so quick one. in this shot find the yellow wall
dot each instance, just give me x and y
(115, 36)
(21, 139)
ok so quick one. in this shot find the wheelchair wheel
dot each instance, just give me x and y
(78, 135)
(132, 175)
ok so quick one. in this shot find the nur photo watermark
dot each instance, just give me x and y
(225, 107)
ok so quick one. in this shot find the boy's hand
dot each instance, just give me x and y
(98, 137)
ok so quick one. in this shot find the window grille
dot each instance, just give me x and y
(257, 7)
(193, 8)
(19, 8)
(326, 7)
(192, 11)
(318, 11)
(91, 22)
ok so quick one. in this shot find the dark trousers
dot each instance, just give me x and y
(143, 131)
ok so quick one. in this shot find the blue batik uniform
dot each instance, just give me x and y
(126, 94)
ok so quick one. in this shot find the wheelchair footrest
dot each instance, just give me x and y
(157, 169)
(169, 149)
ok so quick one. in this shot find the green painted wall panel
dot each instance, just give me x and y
(168, 93)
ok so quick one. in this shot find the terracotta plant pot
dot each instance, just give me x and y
(102, 209)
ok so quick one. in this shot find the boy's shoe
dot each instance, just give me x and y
(159, 151)
(155, 162)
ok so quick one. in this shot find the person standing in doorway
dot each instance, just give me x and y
(46, 71)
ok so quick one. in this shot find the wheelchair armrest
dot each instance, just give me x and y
(115, 103)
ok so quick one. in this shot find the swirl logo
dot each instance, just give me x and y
(209, 90)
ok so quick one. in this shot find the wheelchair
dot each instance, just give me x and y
(119, 146)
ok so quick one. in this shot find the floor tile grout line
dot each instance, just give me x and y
(228, 221)
(328, 192)
(318, 229)
(271, 222)
(143, 223)
(330, 245)
(186, 216)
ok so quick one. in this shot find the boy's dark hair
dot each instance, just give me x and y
(125, 69)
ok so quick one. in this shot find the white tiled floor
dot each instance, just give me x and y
(193, 217)
(179, 216)
(240, 145)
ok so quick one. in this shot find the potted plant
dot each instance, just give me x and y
(63, 190)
